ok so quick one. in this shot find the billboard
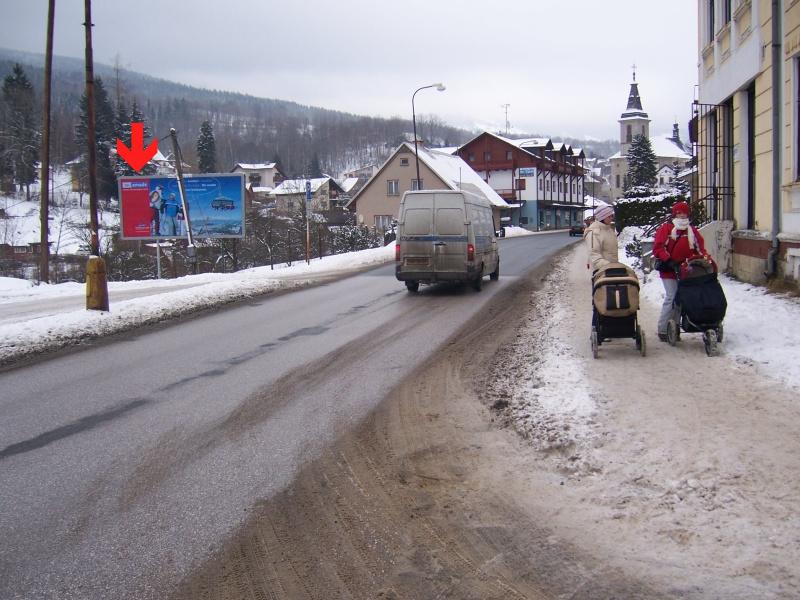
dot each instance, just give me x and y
(150, 207)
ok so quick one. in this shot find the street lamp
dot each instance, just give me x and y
(440, 88)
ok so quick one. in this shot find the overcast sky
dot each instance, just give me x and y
(563, 66)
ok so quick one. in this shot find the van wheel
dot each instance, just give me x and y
(412, 286)
(477, 283)
(495, 275)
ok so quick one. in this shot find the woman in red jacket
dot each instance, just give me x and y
(675, 241)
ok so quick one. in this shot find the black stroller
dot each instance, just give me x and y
(615, 303)
(700, 303)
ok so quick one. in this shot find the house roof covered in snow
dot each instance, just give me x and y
(348, 183)
(298, 186)
(451, 169)
(253, 166)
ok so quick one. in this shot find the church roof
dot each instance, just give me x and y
(634, 100)
(634, 108)
(663, 147)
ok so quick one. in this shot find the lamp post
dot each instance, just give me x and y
(440, 88)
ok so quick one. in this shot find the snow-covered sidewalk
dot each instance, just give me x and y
(676, 467)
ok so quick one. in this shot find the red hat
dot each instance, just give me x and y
(681, 207)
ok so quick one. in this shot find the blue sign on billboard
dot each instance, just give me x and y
(308, 190)
(527, 172)
(150, 207)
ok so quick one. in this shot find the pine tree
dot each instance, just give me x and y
(314, 169)
(105, 134)
(642, 164)
(22, 138)
(122, 168)
(120, 120)
(680, 185)
(278, 164)
(105, 129)
(206, 149)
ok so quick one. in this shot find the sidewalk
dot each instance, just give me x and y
(676, 468)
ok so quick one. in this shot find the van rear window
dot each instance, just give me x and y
(450, 221)
(418, 221)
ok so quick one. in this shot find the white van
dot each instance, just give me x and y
(445, 235)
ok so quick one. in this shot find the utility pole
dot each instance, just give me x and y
(96, 281)
(44, 207)
(308, 227)
(508, 125)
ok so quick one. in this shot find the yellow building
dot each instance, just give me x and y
(747, 131)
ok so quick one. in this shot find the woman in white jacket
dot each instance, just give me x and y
(601, 239)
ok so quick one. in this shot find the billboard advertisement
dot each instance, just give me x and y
(150, 207)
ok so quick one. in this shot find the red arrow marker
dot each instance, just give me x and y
(137, 156)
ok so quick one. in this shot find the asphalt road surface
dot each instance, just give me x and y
(124, 465)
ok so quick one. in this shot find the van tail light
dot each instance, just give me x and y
(397, 251)
(470, 252)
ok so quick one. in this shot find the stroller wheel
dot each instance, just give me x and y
(710, 341)
(719, 333)
(672, 332)
(593, 339)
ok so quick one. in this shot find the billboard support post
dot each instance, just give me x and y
(308, 227)
(191, 251)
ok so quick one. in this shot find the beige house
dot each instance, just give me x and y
(378, 202)
(747, 132)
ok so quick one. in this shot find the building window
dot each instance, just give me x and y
(617, 179)
(254, 179)
(290, 205)
(540, 184)
(417, 184)
(383, 222)
(629, 134)
(796, 118)
(547, 186)
(393, 187)
(403, 162)
(509, 155)
(471, 157)
(710, 16)
(726, 11)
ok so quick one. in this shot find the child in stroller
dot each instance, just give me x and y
(700, 303)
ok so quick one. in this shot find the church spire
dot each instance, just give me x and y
(634, 108)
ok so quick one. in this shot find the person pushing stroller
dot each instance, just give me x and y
(601, 239)
(675, 241)
(615, 287)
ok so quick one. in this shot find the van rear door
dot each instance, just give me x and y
(450, 233)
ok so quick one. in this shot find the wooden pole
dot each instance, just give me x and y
(44, 207)
(96, 279)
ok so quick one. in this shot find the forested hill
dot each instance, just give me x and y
(246, 128)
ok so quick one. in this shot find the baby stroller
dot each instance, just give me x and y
(615, 302)
(700, 303)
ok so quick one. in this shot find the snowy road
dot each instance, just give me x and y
(671, 476)
(124, 464)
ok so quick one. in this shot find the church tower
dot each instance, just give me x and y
(634, 121)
